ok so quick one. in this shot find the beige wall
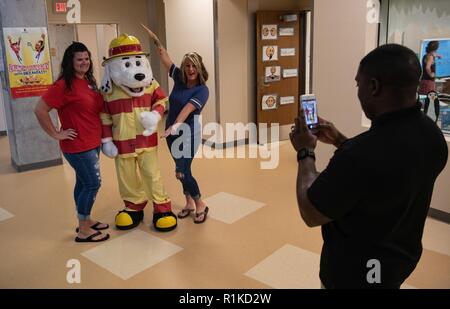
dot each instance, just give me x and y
(157, 22)
(339, 42)
(189, 27)
(341, 39)
(110, 11)
(233, 40)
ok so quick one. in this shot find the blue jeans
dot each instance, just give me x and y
(183, 160)
(87, 169)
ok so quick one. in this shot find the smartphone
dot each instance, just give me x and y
(309, 104)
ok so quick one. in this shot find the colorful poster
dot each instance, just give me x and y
(28, 61)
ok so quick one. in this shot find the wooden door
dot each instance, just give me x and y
(277, 66)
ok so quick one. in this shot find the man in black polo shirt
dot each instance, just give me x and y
(373, 197)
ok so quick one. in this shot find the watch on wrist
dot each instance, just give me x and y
(304, 153)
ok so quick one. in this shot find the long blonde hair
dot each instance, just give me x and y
(196, 59)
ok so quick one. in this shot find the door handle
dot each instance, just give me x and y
(263, 84)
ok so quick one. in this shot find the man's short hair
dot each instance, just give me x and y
(392, 64)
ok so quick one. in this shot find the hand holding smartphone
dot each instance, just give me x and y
(309, 105)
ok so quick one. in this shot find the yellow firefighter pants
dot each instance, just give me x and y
(139, 177)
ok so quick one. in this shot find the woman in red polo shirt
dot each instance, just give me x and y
(76, 98)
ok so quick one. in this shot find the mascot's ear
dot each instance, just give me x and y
(106, 85)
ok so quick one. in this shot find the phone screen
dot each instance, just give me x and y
(309, 104)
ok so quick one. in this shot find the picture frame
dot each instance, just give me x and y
(269, 32)
(269, 101)
(270, 53)
(272, 74)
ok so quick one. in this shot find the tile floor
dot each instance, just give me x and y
(253, 238)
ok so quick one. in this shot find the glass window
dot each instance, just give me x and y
(416, 23)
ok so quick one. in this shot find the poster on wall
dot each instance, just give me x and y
(272, 74)
(28, 61)
(270, 53)
(269, 101)
(269, 32)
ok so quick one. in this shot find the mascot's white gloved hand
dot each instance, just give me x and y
(108, 147)
(149, 121)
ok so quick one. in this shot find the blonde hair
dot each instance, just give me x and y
(196, 59)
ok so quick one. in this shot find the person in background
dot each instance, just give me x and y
(427, 83)
(76, 98)
(373, 197)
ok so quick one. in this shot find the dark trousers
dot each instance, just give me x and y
(183, 149)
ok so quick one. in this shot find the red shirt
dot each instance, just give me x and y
(78, 109)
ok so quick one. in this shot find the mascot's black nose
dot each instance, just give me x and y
(139, 76)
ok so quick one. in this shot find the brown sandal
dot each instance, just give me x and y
(95, 227)
(90, 238)
(185, 212)
(204, 213)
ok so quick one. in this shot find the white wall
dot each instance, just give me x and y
(190, 27)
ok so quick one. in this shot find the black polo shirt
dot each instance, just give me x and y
(377, 189)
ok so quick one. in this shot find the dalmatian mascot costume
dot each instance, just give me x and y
(134, 103)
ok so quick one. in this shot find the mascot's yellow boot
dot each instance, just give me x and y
(164, 222)
(126, 220)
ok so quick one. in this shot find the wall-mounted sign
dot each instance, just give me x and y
(272, 74)
(290, 73)
(270, 53)
(286, 31)
(289, 17)
(269, 101)
(287, 52)
(28, 61)
(59, 7)
(269, 32)
(287, 100)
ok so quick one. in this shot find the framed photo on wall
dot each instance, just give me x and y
(269, 101)
(269, 32)
(270, 53)
(272, 74)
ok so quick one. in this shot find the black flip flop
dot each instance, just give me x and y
(185, 212)
(94, 227)
(90, 238)
(204, 213)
